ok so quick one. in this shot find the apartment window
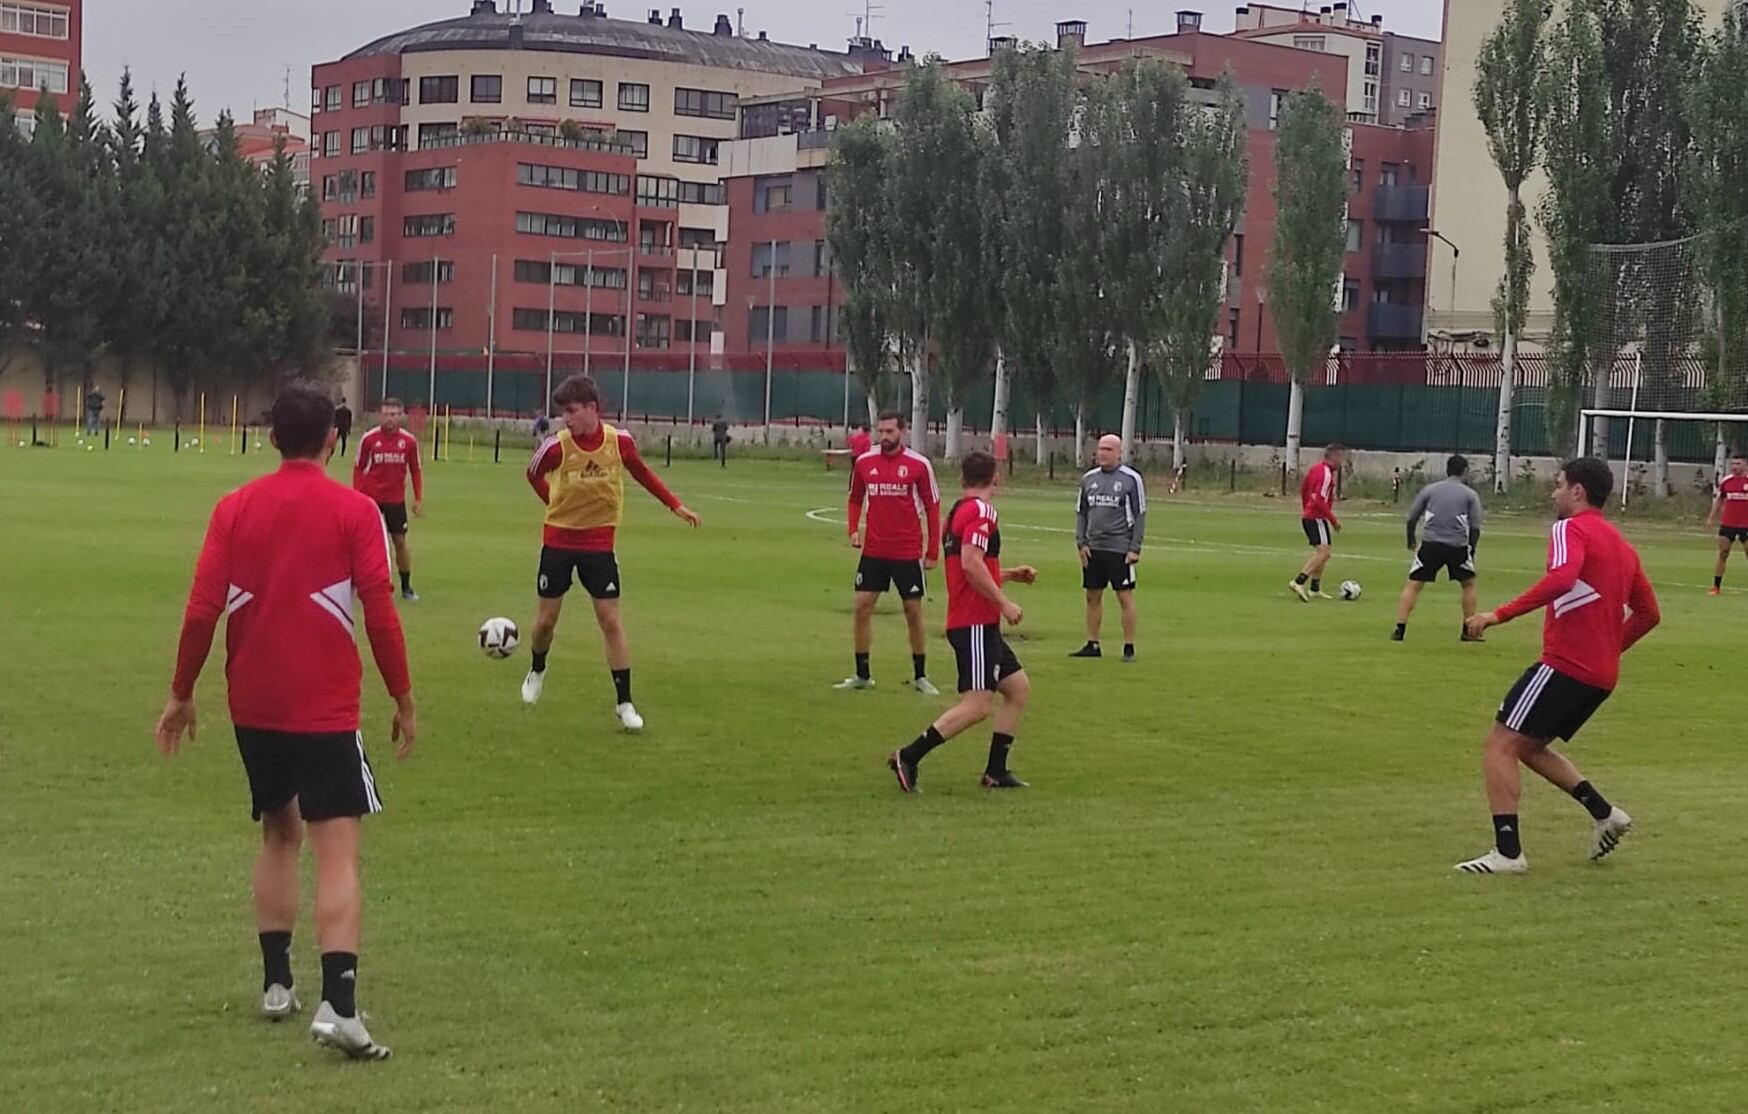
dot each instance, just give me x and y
(366, 229)
(345, 186)
(1350, 296)
(653, 286)
(816, 325)
(762, 322)
(571, 228)
(388, 137)
(420, 317)
(570, 178)
(330, 145)
(1356, 176)
(1371, 96)
(543, 90)
(542, 272)
(33, 74)
(585, 93)
(703, 193)
(389, 90)
(819, 188)
(34, 20)
(330, 188)
(690, 330)
(1404, 98)
(360, 140)
(638, 141)
(331, 98)
(822, 258)
(420, 273)
(768, 255)
(772, 195)
(1408, 63)
(1374, 56)
(1232, 328)
(361, 94)
(1423, 101)
(1308, 42)
(598, 324)
(657, 191)
(695, 148)
(653, 237)
(1277, 98)
(315, 100)
(1387, 174)
(706, 284)
(1238, 253)
(486, 88)
(703, 102)
(703, 239)
(652, 330)
(1356, 234)
(429, 224)
(346, 233)
(1426, 65)
(439, 90)
(633, 97)
(367, 184)
(436, 178)
(430, 135)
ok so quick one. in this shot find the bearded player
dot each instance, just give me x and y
(1317, 516)
(1730, 515)
(976, 609)
(898, 484)
(1599, 603)
(387, 455)
(580, 475)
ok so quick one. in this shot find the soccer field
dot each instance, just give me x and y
(1229, 889)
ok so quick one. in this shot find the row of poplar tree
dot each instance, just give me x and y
(143, 246)
(1070, 233)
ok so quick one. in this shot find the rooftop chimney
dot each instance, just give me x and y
(675, 21)
(1188, 20)
(764, 37)
(1002, 42)
(723, 26)
(905, 57)
(655, 16)
(540, 7)
(489, 7)
(1070, 31)
(1377, 21)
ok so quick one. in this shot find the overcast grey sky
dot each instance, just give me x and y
(235, 52)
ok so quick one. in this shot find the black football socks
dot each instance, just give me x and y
(862, 673)
(1301, 578)
(919, 662)
(1317, 585)
(340, 982)
(999, 745)
(406, 582)
(1401, 631)
(622, 685)
(1717, 582)
(275, 959)
(1505, 835)
(921, 745)
(539, 660)
(1585, 794)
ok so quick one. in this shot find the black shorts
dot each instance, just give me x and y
(1734, 534)
(598, 573)
(1436, 556)
(1317, 531)
(394, 517)
(985, 658)
(1108, 570)
(1547, 704)
(326, 773)
(876, 574)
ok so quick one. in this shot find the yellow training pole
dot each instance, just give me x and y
(141, 443)
(448, 454)
(203, 421)
(470, 448)
(78, 410)
(233, 425)
(120, 409)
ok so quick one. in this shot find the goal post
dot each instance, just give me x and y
(1714, 436)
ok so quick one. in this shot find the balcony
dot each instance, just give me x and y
(1388, 321)
(1399, 261)
(814, 140)
(1402, 204)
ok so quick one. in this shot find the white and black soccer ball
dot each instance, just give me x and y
(1350, 589)
(498, 637)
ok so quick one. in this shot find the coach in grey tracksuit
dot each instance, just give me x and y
(1448, 516)
(1110, 520)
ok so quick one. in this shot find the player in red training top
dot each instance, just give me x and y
(284, 559)
(1730, 513)
(1598, 605)
(1317, 516)
(386, 456)
(898, 484)
(860, 442)
(976, 608)
(579, 474)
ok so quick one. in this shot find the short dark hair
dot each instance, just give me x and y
(1334, 447)
(893, 416)
(1739, 456)
(1457, 465)
(578, 390)
(1592, 475)
(978, 469)
(302, 415)
(394, 402)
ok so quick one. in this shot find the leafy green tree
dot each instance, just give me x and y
(965, 307)
(858, 227)
(1719, 106)
(21, 230)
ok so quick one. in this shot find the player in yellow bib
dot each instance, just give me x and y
(579, 474)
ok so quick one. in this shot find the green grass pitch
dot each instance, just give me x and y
(1229, 888)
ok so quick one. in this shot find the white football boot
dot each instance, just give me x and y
(1610, 830)
(531, 686)
(854, 684)
(347, 1034)
(279, 1003)
(1494, 863)
(629, 720)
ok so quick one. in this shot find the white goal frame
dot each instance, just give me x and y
(1585, 417)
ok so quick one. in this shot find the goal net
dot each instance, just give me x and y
(1657, 398)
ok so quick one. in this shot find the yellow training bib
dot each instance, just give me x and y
(588, 488)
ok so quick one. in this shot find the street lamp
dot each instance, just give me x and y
(1456, 253)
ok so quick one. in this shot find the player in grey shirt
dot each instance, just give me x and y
(1448, 516)
(1110, 520)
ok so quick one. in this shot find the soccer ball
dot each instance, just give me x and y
(498, 637)
(1350, 589)
(130, 440)
(147, 442)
